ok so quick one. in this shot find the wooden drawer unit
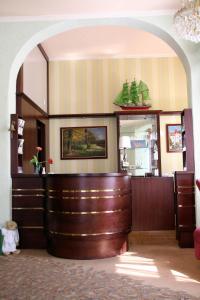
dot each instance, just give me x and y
(185, 208)
(28, 203)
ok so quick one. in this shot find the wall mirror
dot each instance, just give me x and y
(139, 145)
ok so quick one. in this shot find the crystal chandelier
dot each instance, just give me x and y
(187, 20)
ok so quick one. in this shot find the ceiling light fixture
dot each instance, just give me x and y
(187, 20)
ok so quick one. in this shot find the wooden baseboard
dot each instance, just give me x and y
(164, 237)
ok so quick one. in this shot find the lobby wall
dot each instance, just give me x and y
(83, 165)
(29, 33)
(35, 78)
(90, 86)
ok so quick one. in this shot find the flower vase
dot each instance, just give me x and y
(37, 169)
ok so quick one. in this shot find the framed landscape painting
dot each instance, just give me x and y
(83, 142)
(174, 137)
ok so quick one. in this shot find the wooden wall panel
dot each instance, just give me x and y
(152, 203)
(31, 114)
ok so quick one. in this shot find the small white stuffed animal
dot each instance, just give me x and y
(11, 238)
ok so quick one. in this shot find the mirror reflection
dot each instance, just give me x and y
(138, 144)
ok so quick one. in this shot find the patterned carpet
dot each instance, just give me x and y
(27, 277)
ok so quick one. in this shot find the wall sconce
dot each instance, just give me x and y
(12, 128)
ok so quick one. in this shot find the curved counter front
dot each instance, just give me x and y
(87, 215)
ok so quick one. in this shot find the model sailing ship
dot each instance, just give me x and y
(135, 97)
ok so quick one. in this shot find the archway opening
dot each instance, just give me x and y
(91, 71)
(41, 35)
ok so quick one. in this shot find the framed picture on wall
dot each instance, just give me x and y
(174, 137)
(83, 142)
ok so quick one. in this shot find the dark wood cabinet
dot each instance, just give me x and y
(36, 132)
(187, 140)
(184, 186)
(17, 143)
(28, 131)
(185, 208)
(42, 208)
(152, 203)
(28, 204)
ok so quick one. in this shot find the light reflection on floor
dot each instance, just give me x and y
(182, 277)
(130, 263)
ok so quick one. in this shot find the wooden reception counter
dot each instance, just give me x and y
(87, 215)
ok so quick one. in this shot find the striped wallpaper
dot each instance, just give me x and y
(90, 86)
(83, 165)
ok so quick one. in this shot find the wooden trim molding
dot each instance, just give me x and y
(138, 112)
(19, 83)
(177, 112)
(47, 60)
(158, 145)
(98, 115)
(43, 52)
(86, 234)
(33, 104)
(145, 112)
(114, 114)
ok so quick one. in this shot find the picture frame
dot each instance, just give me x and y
(89, 142)
(174, 137)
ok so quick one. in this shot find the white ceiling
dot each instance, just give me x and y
(82, 7)
(105, 42)
(94, 42)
